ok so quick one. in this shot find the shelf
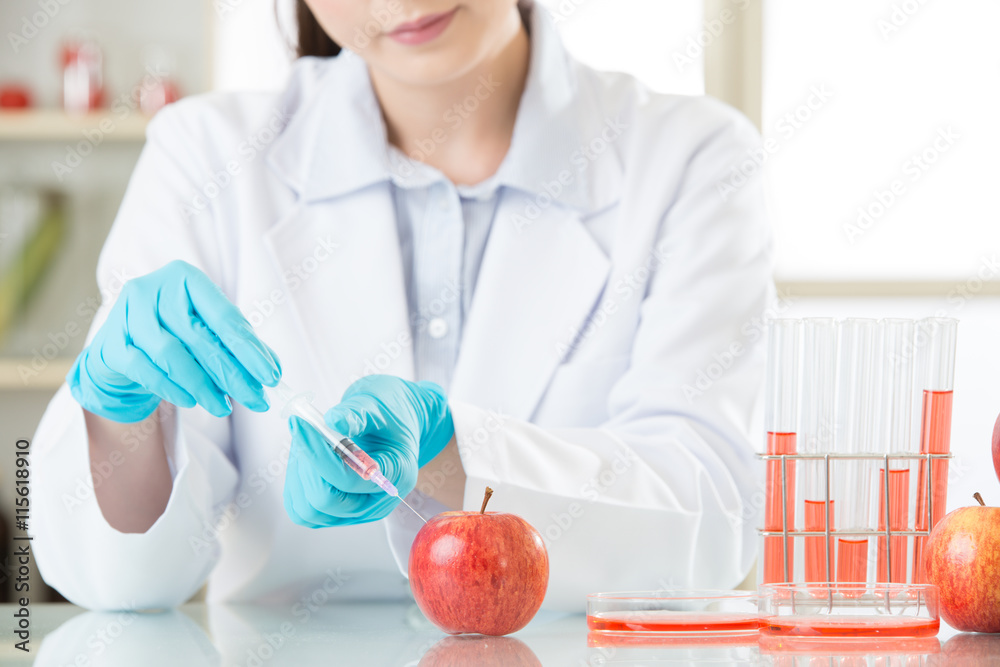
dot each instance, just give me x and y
(57, 125)
(49, 377)
(882, 288)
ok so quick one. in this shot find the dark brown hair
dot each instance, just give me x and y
(313, 40)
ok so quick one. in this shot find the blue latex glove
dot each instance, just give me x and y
(400, 424)
(172, 335)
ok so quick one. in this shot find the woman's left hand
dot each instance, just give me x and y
(402, 425)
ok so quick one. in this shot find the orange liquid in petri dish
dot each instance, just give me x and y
(816, 557)
(672, 621)
(850, 626)
(899, 501)
(774, 547)
(935, 438)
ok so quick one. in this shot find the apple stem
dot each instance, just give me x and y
(489, 492)
(974, 495)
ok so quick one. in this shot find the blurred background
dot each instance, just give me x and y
(881, 145)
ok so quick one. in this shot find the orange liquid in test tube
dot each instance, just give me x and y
(781, 423)
(816, 555)
(856, 389)
(774, 547)
(819, 345)
(899, 501)
(935, 438)
(852, 560)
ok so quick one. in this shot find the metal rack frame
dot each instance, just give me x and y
(887, 532)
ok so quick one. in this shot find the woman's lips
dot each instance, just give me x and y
(423, 29)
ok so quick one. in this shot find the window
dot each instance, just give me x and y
(659, 42)
(881, 120)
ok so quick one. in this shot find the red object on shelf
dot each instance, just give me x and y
(14, 96)
(83, 77)
(157, 96)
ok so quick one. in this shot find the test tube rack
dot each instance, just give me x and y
(788, 533)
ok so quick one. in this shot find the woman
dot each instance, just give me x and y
(499, 266)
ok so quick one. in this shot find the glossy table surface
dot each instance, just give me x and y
(397, 634)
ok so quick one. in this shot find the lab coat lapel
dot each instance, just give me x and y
(340, 262)
(538, 283)
(541, 275)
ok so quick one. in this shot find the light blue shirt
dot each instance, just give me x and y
(443, 230)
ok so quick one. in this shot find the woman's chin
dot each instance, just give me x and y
(428, 67)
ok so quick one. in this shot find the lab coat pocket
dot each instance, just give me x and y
(578, 394)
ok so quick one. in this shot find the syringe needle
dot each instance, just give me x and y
(412, 510)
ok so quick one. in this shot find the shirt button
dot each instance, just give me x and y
(444, 203)
(437, 328)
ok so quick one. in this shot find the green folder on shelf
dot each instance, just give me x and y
(32, 228)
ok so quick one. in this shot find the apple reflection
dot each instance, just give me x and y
(479, 650)
(972, 650)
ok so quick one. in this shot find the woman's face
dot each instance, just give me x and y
(419, 41)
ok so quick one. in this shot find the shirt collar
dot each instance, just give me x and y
(410, 174)
(341, 125)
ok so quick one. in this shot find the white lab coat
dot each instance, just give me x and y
(607, 374)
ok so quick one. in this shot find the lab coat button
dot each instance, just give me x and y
(437, 328)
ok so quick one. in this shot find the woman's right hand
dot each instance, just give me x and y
(172, 335)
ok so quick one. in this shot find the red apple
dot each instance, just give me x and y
(481, 652)
(963, 559)
(996, 446)
(482, 571)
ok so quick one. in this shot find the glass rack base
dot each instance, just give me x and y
(808, 542)
(833, 610)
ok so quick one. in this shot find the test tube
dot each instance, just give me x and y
(936, 337)
(892, 436)
(780, 420)
(853, 435)
(819, 354)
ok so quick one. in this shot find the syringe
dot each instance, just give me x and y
(300, 405)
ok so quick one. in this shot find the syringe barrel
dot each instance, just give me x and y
(356, 458)
(300, 405)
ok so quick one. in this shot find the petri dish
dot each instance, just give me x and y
(673, 613)
(847, 611)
